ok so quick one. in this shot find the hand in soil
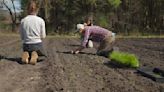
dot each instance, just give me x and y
(74, 52)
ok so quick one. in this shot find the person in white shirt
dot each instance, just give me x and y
(32, 31)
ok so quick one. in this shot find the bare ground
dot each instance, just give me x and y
(85, 72)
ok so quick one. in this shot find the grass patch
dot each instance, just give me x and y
(4, 26)
(73, 35)
(150, 36)
(125, 59)
(9, 33)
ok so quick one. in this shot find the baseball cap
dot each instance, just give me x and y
(80, 26)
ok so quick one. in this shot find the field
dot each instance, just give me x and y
(85, 72)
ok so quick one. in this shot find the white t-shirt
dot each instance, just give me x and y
(32, 29)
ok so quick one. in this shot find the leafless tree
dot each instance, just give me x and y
(12, 14)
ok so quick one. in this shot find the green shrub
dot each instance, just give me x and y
(103, 21)
(125, 59)
(114, 3)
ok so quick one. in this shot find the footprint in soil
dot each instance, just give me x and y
(162, 90)
(2, 57)
(49, 90)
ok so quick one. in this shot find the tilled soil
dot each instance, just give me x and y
(84, 72)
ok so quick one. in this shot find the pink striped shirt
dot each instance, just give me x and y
(95, 33)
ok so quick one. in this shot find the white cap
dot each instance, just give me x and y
(80, 26)
(113, 34)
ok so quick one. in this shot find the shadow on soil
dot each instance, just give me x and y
(18, 59)
(68, 52)
(112, 64)
(72, 45)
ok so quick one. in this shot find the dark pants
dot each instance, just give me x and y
(38, 47)
(106, 46)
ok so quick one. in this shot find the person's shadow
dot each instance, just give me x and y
(17, 59)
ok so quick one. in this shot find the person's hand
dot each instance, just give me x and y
(72, 52)
(76, 52)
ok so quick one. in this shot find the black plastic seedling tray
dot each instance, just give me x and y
(155, 74)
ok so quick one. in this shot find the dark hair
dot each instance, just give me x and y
(32, 7)
(87, 19)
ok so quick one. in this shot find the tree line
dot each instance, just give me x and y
(120, 16)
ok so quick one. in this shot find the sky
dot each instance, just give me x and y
(17, 4)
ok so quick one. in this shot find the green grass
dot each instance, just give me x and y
(124, 59)
(56, 35)
(150, 36)
(5, 26)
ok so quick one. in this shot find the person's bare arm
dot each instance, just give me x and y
(77, 50)
(84, 42)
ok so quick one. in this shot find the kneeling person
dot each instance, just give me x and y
(97, 34)
(32, 31)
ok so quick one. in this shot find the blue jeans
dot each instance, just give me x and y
(38, 47)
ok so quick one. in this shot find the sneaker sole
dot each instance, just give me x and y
(25, 57)
(34, 57)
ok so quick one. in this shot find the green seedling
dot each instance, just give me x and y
(125, 59)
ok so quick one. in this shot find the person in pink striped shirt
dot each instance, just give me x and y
(97, 34)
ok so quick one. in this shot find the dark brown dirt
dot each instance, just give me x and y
(85, 72)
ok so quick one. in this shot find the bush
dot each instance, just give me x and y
(103, 21)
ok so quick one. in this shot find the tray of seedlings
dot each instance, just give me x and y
(155, 74)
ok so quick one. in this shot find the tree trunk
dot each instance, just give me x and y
(13, 16)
